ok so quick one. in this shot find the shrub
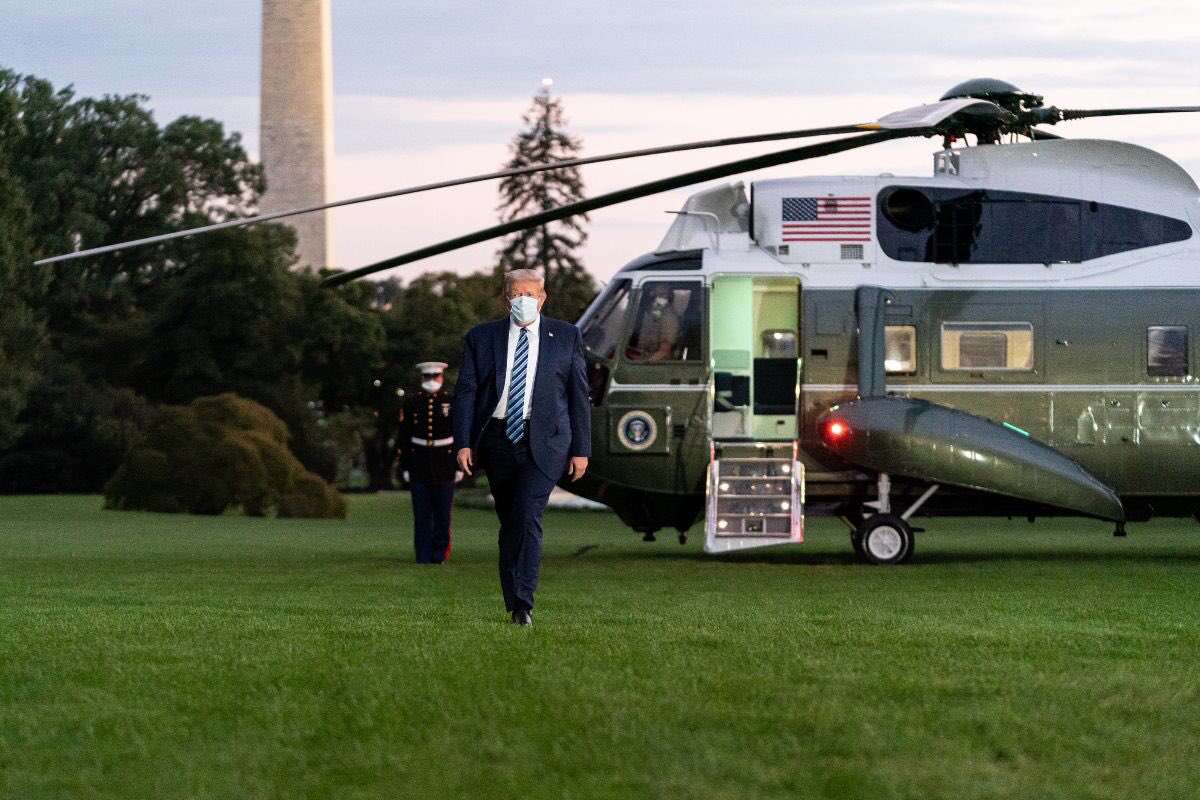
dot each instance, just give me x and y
(217, 453)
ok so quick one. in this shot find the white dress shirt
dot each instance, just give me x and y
(514, 334)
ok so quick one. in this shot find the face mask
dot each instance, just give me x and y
(660, 302)
(431, 386)
(524, 309)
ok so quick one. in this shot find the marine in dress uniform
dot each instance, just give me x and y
(426, 444)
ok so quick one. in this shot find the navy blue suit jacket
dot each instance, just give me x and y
(560, 415)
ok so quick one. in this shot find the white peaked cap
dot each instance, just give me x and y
(431, 367)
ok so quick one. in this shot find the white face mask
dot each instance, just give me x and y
(524, 309)
(431, 386)
(660, 302)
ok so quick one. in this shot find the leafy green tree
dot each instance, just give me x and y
(21, 333)
(160, 324)
(170, 322)
(549, 248)
(235, 321)
(344, 341)
(429, 317)
(232, 321)
(98, 171)
(74, 431)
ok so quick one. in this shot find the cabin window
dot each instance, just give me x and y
(603, 323)
(979, 228)
(957, 226)
(900, 349)
(973, 346)
(1166, 351)
(668, 323)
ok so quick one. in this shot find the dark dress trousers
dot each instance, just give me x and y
(522, 476)
(426, 443)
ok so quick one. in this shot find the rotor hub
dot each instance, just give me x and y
(1026, 109)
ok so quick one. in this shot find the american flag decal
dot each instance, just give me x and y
(826, 219)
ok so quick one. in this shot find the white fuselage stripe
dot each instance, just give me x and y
(1042, 388)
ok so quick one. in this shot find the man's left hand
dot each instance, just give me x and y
(577, 467)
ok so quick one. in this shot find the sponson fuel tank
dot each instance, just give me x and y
(930, 442)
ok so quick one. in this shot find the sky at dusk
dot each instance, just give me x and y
(429, 91)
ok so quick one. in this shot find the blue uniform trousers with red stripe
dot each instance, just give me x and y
(431, 520)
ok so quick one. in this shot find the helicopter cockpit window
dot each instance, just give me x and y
(1166, 351)
(900, 349)
(668, 323)
(956, 226)
(604, 322)
(987, 346)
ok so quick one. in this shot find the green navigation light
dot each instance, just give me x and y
(1015, 428)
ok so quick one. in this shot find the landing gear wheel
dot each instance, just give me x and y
(884, 539)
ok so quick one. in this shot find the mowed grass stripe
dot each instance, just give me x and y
(146, 655)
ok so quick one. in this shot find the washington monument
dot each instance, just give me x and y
(297, 118)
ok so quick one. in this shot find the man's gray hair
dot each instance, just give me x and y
(523, 276)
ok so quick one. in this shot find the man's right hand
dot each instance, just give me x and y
(464, 460)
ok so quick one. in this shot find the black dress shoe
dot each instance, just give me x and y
(522, 616)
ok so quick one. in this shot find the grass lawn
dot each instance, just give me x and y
(151, 656)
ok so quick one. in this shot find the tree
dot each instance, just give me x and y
(98, 171)
(344, 341)
(94, 341)
(238, 321)
(74, 432)
(230, 322)
(550, 248)
(21, 333)
(430, 315)
(170, 322)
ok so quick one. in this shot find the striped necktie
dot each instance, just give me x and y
(514, 415)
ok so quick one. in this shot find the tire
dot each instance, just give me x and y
(885, 539)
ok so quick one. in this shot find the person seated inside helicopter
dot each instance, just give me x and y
(658, 329)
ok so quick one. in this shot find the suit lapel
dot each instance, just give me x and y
(545, 345)
(500, 351)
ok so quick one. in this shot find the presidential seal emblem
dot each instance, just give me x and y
(637, 430)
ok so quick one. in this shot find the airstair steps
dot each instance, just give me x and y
(755, 496)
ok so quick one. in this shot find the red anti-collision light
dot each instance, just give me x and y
(836, 431)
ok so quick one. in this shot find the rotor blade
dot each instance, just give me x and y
(508, 173)
(1120, 112)
(624, 195)
(1052, 115)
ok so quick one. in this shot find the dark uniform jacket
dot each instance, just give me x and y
(426, 441)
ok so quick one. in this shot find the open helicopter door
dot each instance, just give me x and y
(755, 480)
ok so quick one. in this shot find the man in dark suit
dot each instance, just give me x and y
(521, 412)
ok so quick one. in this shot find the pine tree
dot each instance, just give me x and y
(550, 248)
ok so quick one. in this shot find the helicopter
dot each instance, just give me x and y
(1009, 335)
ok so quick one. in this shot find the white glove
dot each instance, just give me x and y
(405, 476)
(458, 476)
